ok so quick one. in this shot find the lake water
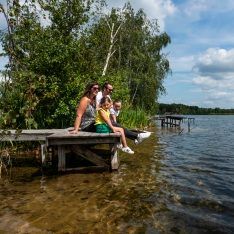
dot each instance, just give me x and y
(176, 182)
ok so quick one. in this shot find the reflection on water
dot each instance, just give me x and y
(174, 183)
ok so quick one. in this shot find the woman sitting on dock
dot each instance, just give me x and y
(104, 125)
(86, 111)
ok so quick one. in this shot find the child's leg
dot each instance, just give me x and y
(123, 138)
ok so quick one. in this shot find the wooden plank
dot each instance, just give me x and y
(52, 134)
(32, 131)
(81, 141)
(28, 135)
(89, 155)
(175, 117)
(23, 137)
(83, 138)
(82, 135)
(61, 158)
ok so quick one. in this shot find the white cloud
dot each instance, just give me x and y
(194, 8)
(155, 9)
(215, 59)
(215, 75)
(158, 9)
(216, 63)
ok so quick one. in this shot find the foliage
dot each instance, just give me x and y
(56, 47)
(137, 55)
(191, 110)
(133, 118)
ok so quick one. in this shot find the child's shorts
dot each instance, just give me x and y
(103, 128)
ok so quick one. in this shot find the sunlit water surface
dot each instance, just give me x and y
(176, 182)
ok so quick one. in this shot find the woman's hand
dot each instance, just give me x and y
(74, 131)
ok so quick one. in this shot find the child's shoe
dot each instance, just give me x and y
(127, 150)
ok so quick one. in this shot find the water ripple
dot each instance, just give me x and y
(199, 167)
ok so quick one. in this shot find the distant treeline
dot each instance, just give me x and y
(191, 110)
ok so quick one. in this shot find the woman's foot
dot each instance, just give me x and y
(127, 150)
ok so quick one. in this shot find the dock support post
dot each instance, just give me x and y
(162, 122)
(61, 159)
(43, 153)
(114, 157)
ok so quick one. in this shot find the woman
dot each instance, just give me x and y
(86, 111)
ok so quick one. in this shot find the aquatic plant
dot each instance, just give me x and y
(134, 118)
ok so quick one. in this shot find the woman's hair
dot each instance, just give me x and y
(104, 100)
(88, 89)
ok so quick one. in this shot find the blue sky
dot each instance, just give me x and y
(201, 54)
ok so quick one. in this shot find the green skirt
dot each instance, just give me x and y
(103, 128)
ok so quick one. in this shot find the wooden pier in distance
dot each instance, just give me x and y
(174, 120)
(61, 143)
(171, 120)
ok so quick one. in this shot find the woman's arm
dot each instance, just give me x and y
(79, 113)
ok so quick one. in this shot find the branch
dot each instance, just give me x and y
(117, 30)
(108, 23)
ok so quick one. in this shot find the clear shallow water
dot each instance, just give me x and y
(176, 182)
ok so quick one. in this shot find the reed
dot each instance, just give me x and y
(133, 118)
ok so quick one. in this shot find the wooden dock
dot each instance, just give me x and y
(61, 143)
(174, 120)
(171, 120)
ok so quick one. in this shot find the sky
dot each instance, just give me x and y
(201, 53)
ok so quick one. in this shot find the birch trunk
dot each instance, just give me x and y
(112, 42)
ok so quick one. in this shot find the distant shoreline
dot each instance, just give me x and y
(192, 110)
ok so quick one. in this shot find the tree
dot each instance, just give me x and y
(45, 66)
(56, 47)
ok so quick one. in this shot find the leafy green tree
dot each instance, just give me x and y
(136, 54)
(55, 47)
(45, 66)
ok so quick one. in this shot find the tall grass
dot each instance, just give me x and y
(133, 118)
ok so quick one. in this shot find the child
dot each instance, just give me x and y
(104, 125)
(137, 137)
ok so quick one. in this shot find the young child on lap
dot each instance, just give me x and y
(104, 125)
